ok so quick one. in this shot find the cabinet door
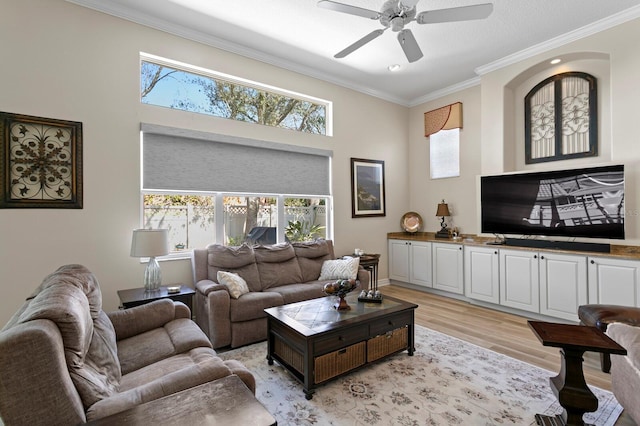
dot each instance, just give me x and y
(519, 284)
(448, 267)
(481, 274)
(399, 260)
(614, 281)
(563, 285)
(420, 264)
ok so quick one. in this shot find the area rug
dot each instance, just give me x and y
(446, 382)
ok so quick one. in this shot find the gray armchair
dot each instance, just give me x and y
(64, 361)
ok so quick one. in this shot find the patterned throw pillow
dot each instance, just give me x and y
(234, 283)
(346, 269)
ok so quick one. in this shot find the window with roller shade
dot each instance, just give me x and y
(207, 187)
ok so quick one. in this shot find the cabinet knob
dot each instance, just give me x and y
(535, 256)
(593, 262)
(460, 248)
(495, 252)
(541, 257)
(391, 323)
(340, 338)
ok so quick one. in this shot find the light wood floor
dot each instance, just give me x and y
(498, 331)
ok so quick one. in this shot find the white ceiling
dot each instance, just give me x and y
(298, 35)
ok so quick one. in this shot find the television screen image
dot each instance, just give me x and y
(586, 202)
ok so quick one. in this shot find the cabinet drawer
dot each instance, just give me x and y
(338, 362)
(340, 339)
(388, 343)
(389, 323)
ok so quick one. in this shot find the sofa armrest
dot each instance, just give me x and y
(139, 319)
(601, 316)
(212, 306)
(207, 286)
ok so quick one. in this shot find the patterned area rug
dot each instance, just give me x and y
(446, 382)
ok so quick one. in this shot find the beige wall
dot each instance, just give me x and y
(68, 62)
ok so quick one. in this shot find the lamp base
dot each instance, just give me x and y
(443, 233)
(152, 275)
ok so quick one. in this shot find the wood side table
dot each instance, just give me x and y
(225, 401)
(370, 263)
(569, 385)
(138, 296)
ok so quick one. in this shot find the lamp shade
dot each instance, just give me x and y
(443, 209)
(150, 242)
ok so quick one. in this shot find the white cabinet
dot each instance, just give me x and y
(399, 260)
(614, 281)
(481, 274)
(519, 283)
(410, 261)
(448, 267)
(420, 264)
(563, 284)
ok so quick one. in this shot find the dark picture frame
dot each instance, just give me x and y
(367, 188)
(41, 162)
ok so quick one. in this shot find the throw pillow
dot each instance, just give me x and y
(234, 283)
(345, 269)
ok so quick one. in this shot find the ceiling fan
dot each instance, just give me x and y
(395, 14)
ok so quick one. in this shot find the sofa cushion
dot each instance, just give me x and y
(340, 269)
(234, 283)
(240, 260)
(628, 337)
(311, 255)
(71, 298)
(252, 305)
(277, 265)
(293, 293)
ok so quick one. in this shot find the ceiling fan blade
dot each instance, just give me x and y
(464, 13)
(358, 44)
(345, 8)
(409, 45)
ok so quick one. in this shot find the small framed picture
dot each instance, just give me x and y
(42, 162)
(367, 188)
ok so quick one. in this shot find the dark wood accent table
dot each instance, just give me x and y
(138, 296)
(370, 263)
(225, 401)
(569, 385)
(316, 342)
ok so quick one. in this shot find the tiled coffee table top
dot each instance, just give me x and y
(317, 314)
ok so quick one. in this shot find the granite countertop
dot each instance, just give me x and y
(617, 250)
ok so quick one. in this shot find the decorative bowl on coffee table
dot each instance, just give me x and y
(340, 288)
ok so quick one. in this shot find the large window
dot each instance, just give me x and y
(208, 188)
(173, 85)
(193, 223)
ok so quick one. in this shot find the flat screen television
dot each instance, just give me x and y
(586, 202)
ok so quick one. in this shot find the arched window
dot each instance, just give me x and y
(561, 120)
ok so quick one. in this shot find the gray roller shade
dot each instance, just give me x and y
(185, 160)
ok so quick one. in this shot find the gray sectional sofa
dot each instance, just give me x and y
(275, 275)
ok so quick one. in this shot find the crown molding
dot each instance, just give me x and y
(446, 91)
(580, 33)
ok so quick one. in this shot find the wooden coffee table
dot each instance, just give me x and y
(316, 343)
(569, 385)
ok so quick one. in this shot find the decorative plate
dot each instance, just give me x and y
(411, 222)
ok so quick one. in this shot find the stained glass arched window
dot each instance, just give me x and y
(561, 119)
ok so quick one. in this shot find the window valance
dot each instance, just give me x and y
(445, 118)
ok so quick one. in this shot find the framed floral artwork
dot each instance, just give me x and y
(41, 162)
(367, 188)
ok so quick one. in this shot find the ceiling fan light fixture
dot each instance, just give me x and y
(555, 61)
(397, 24)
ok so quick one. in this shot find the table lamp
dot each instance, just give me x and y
(150, 243)
(443, 210)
